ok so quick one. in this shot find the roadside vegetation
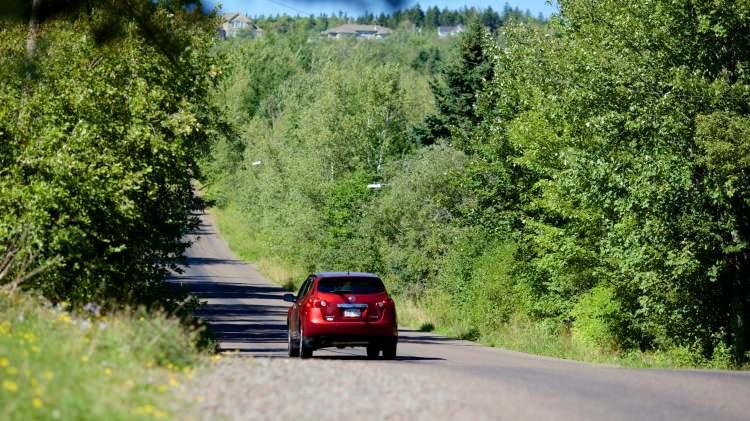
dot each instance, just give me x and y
(577, 187)
(103, 111)
(58, 364)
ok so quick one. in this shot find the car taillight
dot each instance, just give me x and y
(319, 303)
(382, 304)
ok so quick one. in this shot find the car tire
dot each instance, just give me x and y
(373, 350)
(305, 351)
(389, 349)
(293, 349)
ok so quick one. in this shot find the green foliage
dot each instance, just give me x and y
(606, 127)
(456, 92)
(99, 139)
(596, 316)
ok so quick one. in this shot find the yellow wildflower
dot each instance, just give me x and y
(146, 409)
(162, 388)
(108, 371)
(4, 362)
(36, 402)
(84, 359)
(173, 382)
(12, 371)
(49, 375)
(10, 386)
(5, 328)
(35, 349)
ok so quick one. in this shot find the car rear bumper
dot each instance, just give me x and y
(326, 340)
(321, 333)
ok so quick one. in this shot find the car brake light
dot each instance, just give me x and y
(319, 303)
(382, 304)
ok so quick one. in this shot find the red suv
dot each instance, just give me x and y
(342, 309)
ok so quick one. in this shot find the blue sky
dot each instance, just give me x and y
(356, 7)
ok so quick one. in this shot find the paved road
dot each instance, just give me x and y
(247, 314)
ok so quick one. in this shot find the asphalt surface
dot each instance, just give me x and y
(433, 377)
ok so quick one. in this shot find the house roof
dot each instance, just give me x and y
(450, 29)
(229, 17)
(352, 29)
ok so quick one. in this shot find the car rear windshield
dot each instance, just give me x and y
(351, 285)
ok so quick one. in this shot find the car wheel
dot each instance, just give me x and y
(373, 350)
(291, 345)
(305, 351)
(389, 349)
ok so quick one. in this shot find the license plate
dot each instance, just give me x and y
(353, 312)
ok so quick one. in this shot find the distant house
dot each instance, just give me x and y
(450, 31)
(357, 31)
(234, 23)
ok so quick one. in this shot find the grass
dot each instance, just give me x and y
(57, 365)
(245, 243)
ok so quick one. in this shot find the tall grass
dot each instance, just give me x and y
(57, 365)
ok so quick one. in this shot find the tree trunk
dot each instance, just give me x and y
(33, 28)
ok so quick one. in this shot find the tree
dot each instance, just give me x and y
(456, 93)
(101, 125)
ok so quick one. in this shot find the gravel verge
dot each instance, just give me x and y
(241, 388)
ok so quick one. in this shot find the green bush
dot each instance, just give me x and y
(491, 299)
(598, 319)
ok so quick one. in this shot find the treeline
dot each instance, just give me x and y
(590, 178)
(431, 18)
(103, 111)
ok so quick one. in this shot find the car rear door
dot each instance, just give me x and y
(298, 305)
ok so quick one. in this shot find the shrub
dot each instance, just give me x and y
(597, 319)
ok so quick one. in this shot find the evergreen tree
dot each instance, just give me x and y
(456, 92)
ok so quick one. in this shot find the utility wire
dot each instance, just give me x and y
(290, 7)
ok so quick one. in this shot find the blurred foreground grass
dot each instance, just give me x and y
(58, 365)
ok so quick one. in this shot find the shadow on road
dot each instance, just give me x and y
(353, 357)
(237, 311)
(200, 261)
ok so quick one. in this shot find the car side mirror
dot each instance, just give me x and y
(290, 298)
